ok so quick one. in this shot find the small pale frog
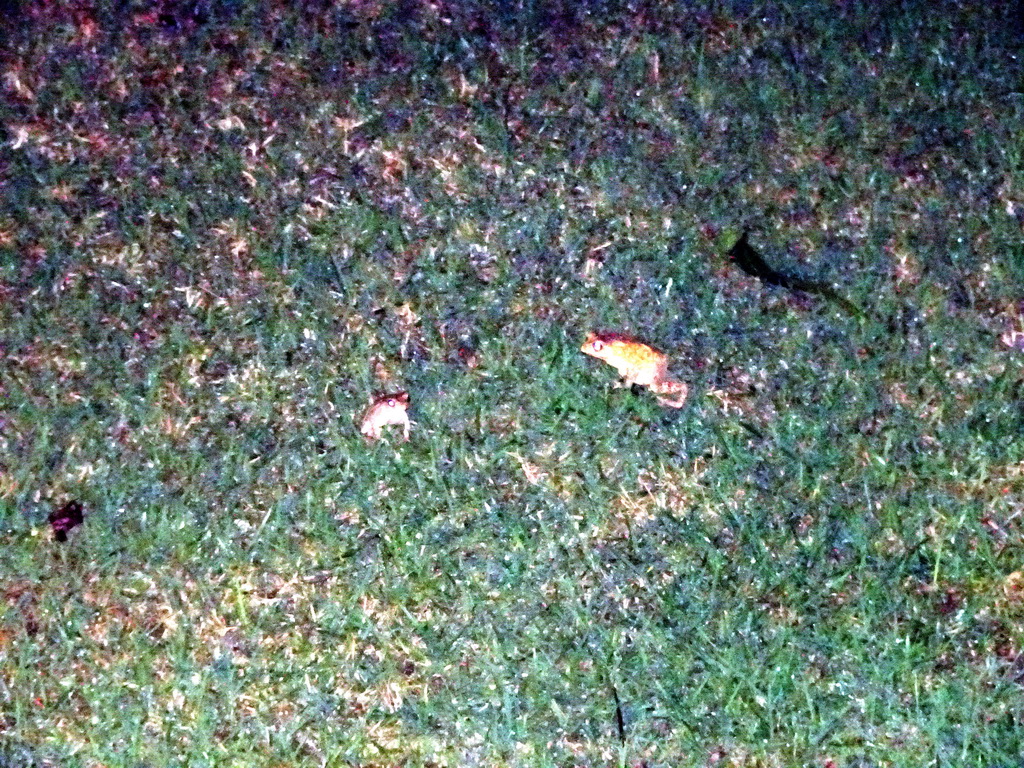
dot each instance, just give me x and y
(386, 410)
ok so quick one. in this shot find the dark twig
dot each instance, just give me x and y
(619, 720)
(747, 258)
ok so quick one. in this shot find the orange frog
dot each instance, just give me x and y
(637, 363)
(387, 410)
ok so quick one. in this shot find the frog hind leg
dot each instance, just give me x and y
(678, 390)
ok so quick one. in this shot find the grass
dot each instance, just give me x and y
(222, 230)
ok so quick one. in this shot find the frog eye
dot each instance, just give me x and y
(598, 345)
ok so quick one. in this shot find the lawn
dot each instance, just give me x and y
(226, 225)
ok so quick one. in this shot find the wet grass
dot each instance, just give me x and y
(222, 230)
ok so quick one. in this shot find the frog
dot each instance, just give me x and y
(637, 363)
(386, 410)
